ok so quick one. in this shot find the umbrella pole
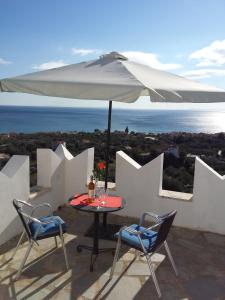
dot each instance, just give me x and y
(108, 145)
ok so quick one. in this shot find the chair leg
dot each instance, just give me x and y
(24, 260)
(153, 275)
(56, 243)
(170, 257)
(18, 244)
(115, 257)
(64, 250)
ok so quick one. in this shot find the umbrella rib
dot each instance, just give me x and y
(158, 94)
(176, 94)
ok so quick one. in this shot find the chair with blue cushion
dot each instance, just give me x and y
(38, 228)
(147, 240)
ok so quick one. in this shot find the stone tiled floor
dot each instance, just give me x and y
(200, 259)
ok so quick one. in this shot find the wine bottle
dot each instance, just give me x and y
(91, 188)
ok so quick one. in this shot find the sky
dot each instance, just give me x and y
(185, 37)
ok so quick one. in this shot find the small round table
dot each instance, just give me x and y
(95, 250)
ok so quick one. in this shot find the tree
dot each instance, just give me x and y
(127, 130)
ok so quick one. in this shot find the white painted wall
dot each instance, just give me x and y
(59, 175)
(64, 174)
(77, 170)
(14, 183)
(47, 163)
(142, 186)
(209, 197)
(137, 185)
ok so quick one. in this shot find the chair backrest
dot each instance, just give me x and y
(18, 204)
(164, 228)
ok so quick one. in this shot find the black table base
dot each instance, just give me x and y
(105, 232)
(93, 254)
(98, 231)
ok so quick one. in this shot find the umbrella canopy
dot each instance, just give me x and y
(112, 77)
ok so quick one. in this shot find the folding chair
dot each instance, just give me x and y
(147, 240)
(38, 228)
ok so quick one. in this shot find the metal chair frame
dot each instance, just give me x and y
(159, 221)
(26, 219)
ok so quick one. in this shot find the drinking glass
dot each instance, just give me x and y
(96, 191)
(98, 194)
(104, 197)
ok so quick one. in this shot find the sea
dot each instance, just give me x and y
(24, 119)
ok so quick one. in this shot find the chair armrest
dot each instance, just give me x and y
(153, 226)
(40, 206)
(23, 202)
(135, 232)
(129, 229)
(155, 217)
(38, 221)
(31, 218)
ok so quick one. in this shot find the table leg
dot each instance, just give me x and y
(105, 219)
(95, 239)
(95, 249)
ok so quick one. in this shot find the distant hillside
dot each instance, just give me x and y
(180, 150)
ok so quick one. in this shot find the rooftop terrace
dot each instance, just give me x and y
(199, 256)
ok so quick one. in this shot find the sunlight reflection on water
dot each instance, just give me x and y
(218, 121)
(203, 121)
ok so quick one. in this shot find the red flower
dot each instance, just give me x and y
(101, 165)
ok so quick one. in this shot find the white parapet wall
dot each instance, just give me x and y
(47, 163)
(14, 183)
(209, 197)
(77, 170)
(59, 176)
(141, 187)
(137, 185)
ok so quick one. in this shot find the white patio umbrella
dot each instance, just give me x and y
(112, 77)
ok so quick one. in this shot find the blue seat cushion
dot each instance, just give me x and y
(148, 237)
(49, 229)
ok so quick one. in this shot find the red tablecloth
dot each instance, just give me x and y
(110, 201)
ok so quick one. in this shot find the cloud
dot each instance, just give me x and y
(203, 73)
(150, 59)
(49, 65)
(4, 62)
(84, 52)
(212, 55)
(145, 58)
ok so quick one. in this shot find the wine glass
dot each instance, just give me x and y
(96, 191)
(98, 195)
(104, 197)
